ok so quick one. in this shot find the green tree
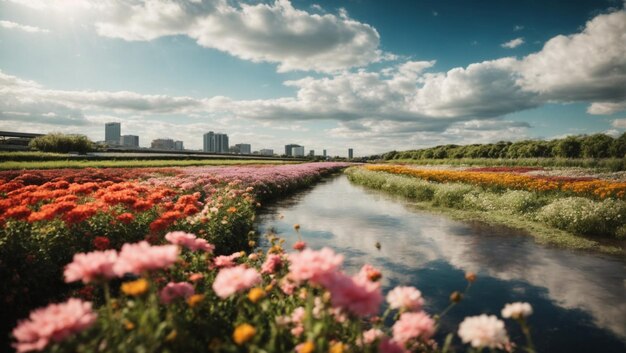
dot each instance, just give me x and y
(618, 148)
(596, 146)
(568, 147)
(62, 143)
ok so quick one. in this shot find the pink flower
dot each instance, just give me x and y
(299, 245)
(313, 265)
(189, 241)
(271, 264)
(405, 298)
(370, 272)
(53, 323)
(195, 277)
(413, 325)
(390, 346)
(174, 290)
(139, 257)
(356, 294)
(226, 261)
(483, 331)
(370, 336)
(91, 266)
(287, 286)
(232, 280)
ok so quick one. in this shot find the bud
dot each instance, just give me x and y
(470, 277)
(456, 297)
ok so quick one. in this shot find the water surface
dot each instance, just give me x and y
(579, 298)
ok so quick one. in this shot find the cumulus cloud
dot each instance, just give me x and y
(606, 108)
(20, 27)
(619, 123)
(410, 99)
(276, 33)
(587, 66)
(513, 43)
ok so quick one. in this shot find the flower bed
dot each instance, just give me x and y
(48, 216)
(574, 214)
(598, 189)
(179, 297)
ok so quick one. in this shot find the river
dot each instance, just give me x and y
(579, 298)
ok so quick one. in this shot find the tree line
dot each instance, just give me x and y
(581, 146)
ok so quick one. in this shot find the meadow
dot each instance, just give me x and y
(166, 260)
(579, 213)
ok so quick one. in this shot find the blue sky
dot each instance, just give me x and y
(371, 75)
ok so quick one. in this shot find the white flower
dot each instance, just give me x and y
(483, 331)
(407, 298)
(517, 310)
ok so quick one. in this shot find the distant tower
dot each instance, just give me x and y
(288, 149)
(350, 153)
(112, 133)
(324, 153)
(208, 142)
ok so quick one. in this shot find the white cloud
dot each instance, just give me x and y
(20, 27)
(518, 28)
(409, 99)
(513, 43)
(276, 33)
(619, 123)
(587, 66)
(606, 108)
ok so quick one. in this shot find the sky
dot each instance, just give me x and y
(365, 74)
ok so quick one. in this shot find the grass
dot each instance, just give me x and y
(61, 164)
(604, 164)
(430, 197)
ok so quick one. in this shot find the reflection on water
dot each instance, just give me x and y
(579, 299)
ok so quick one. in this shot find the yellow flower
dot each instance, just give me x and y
(171, 336)
(128, 325)
(306, 347)
(336, 347)
(195, 299)
(243, 333)
(135, 288)
(256, 294)
(269, 287)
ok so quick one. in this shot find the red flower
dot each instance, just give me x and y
(101, 243)
(18, 212)
(126, 217)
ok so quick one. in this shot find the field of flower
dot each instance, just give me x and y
(598, 189)
(181, 297)
(584, 207)
(47, 216)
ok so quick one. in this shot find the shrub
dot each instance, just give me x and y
(62, 143)
(452, 195)
(584, 216)
(519, 201)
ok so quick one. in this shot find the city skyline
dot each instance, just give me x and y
(371, 75)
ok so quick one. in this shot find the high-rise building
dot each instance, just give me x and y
(288, 149)
(112, 133)
(163, 144)
(178, 145)
(267, 152)
(244, 148)
(324, 154)
(130, 141)
(297, 151)
(350, 153)
(208, 140)
(311, 153)
(215, 142)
